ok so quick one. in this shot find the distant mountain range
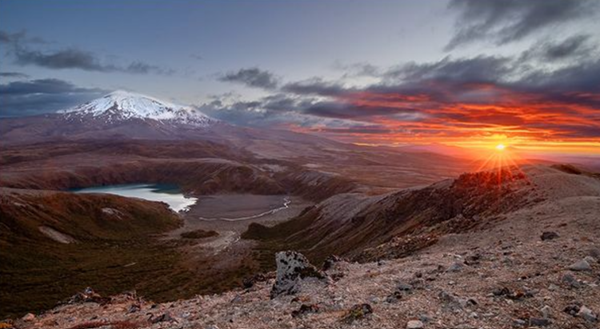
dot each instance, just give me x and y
(118, 115)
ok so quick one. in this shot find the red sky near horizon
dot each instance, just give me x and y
(494, 115)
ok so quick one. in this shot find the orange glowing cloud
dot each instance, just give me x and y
(472, 119)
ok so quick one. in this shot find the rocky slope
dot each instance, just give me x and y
(532, 264)
(52, 242)
(348, 223)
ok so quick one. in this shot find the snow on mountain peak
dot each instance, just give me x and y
(123, 105)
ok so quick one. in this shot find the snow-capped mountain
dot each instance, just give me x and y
(123, 115)
(122, 105)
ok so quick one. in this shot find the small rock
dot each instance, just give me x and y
(305, 309)
(455, 267)
(447, 297)
(594, 252)
(425, 318)
(519, 295)
(501, 291)
(538, 322)
(87, 296)
(572, 309)
(546, 312)
(165, 317)
(549, 236)
(587, 314)
(404, 287)
(336, 276)
(581, 265)
(394, 297)
(513, 295)
(571, 281)
(134, 308)
(454, 301)
(292, 267)
(590, 259)
(473, 259)
(520, 323)
(357, 312)
(29, 317)
(330, 262)
(414, 324)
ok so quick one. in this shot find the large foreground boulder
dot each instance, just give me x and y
(292, 267)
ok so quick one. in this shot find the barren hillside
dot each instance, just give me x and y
(535, 265)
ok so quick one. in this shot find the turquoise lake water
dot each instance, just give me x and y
(170, 194)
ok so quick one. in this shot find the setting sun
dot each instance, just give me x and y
(500, 147)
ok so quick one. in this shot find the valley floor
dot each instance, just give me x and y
(228, 216)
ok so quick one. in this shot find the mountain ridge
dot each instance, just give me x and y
(123, 105)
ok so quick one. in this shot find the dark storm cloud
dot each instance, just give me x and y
(374, 130)
(413, 78)
(83, 60)
(5, 37)
(23, 98)
(239, 113)
(138, 67)
(581, 78)
(252, 77)
(15, 75)
(352, 111)
(62, 59)
(575, 45)
(314, 86)
(446, 95)
(476, 69)
(20, 46)
(282, 110)
(504, 21)
(572, 48)
(435, 79)
(291, 108)
(41, 86)
(22, 36)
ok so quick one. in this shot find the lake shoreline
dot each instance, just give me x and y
(170, 194)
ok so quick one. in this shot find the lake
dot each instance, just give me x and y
(170, 194)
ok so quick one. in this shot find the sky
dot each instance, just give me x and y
(470, 73)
